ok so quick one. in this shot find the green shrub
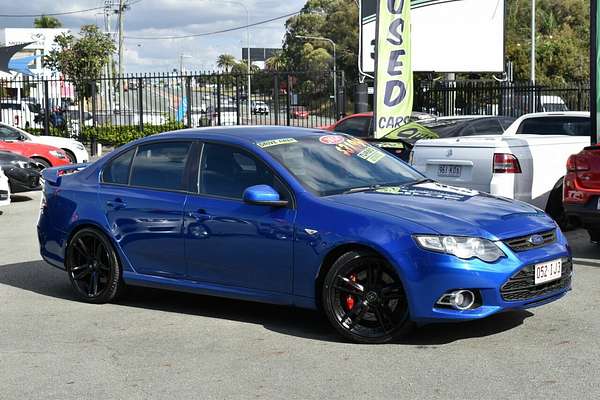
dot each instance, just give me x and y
(119, 135)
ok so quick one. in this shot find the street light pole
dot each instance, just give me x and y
(335, 98)
(533, 31)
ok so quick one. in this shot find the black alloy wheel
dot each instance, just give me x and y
(364, 299)
(93, 267)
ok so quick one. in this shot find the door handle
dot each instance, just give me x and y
(116, 204)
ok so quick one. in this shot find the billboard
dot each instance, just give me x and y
(447, 35)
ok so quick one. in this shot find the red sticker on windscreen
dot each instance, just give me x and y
(332, 139)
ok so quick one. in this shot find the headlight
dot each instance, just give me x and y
(461, 247)
(79, 146)
(57, 154)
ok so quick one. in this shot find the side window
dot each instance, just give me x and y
(7, 133)
(487, 126)
(117, 170)
(227, 171)
(357, 126)
(160, 165)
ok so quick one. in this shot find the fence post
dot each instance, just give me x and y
(276, 97)
(342, 97)
(82, 120)
(237, 100)
(188, 94)
(47, 105)
(579, 97)
(288, 100)
(141, 104)
(218, 99)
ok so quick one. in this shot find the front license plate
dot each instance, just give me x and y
(548, 271)
(449, 170)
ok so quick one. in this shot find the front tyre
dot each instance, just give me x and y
(93, 267)
(363, 298)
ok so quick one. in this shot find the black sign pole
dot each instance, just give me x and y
(594, 71)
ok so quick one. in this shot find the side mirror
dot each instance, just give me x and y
(263, 195)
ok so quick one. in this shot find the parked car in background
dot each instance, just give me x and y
(362, 125)
(226, 115)
(299, 112)
(4, 189)
(18, 114)
(46, 156)
(22, 173)
(526, 163)
(297, 217)
(400, 141)
(581, 194)
(260, 107)
(75, 151)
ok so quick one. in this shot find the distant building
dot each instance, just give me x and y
(42, 43)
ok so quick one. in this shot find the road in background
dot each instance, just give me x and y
(156, 344)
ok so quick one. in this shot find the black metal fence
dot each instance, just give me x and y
(146, 102)
(117, 110)
(498, 98)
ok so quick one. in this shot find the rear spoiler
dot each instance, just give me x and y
(52, 175)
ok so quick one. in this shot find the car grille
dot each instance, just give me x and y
(521, 286)
(523, 243)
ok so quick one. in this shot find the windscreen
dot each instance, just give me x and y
(334, 164)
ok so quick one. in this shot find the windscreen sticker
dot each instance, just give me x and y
(351, 147)
(371, 155)
(448, 189)
(431, 190)
(332, 139)
(276, 142)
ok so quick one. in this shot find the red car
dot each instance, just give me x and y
(47, 156)
(299, 112)
(581, 193)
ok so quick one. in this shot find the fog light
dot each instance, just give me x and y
(459, 299)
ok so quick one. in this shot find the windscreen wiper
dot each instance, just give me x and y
(361, 189)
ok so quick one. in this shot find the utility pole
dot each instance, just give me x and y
(121, 37)
(533, 31)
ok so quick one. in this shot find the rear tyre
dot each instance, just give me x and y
(556, 209)
(93, 267)
(70, 156)
(364, 300)
(45, 164)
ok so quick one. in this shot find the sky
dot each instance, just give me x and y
(152, 18)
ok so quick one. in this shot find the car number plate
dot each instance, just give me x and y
(449, 170)
(548, 271)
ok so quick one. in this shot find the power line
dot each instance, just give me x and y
(214, 32)
(49, 14)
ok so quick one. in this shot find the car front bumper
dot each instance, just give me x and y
(434, 274)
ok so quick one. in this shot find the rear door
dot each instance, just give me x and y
(143, 192)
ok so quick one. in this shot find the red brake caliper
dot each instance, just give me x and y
(350, 298)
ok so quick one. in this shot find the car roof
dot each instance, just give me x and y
(250, 134)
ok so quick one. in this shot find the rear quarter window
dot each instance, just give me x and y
(117, 170)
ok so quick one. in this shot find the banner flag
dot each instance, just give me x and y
(393, 68)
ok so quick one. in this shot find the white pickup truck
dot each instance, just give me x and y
(525, 163)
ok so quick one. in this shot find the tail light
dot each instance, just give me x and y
(575, 164)
(505, 163)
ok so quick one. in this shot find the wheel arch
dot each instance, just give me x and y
(40, 157)
(336, 252)
(70, 152)
(98, 227)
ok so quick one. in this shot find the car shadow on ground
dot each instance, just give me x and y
(38, 277)
(19, 198)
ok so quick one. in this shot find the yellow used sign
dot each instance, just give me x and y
(393, 75)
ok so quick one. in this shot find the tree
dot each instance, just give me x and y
(81, 59)
(45, 21)
(277, 62)
(226, 62)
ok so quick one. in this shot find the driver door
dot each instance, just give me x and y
(230, 242)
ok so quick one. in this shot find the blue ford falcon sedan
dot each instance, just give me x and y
(297, 217)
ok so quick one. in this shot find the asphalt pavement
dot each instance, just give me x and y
(156, 344)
